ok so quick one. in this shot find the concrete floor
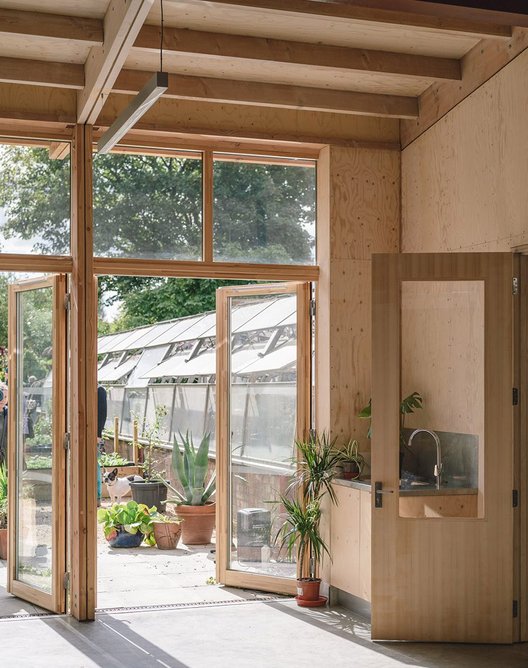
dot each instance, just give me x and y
(252, 634)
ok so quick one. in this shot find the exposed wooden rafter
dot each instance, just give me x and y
(351, 10)
(122, 22)
(41, 73)
(274, 95)
(72, 28)
(263, 49)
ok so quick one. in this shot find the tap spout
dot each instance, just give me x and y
(438, 466)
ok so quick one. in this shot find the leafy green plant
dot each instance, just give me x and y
(130, 517)
(108, 459)
(190, 468)
(3, 496)
(151, 435)
(408, 405)
(35, 462)
(350, 455)
(300, 534)
(316, 467)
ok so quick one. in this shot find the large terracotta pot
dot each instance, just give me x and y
(198, 523)
(308, 589)
(167, 534)
(3, 543)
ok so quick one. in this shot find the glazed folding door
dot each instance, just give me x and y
(36, 459)
(263, 405)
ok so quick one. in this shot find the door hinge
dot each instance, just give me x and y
(66, 440)
(515, 285)
(515, 498)
(515, 608)
(313, 308)
(66, 580)
(67, 301)
(515, 396)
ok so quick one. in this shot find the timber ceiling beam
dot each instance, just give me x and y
(86, 30)
(352, 10)
(122, 22)
(263, 49)
(41, 73)
(273, 95)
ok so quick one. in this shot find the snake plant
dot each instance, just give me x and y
(190, 467)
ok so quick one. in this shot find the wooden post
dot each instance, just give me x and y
(116, 434)
(83, 483)
(135, 439)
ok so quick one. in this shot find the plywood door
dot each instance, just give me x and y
(443, 578)
(37, 424)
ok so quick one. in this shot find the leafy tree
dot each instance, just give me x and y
(149, 206)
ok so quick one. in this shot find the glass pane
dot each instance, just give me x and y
(34, 201)
(262, 418)
(148, 206)
(442, 359)
(34, 425)
(264, 213)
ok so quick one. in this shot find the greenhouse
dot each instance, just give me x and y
(173, 364)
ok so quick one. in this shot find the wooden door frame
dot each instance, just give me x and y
(388, 529)
(56, 600)
(302, 290)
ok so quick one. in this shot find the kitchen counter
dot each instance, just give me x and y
(418, 490)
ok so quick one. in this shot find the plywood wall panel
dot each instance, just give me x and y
(464, 179)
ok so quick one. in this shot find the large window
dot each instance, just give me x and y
(264, 210)
(35, 199)
(148, 206)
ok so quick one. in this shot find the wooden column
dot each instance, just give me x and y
(83, 482)
(358, 214)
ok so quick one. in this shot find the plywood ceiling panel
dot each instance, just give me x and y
(300, 75)
(43, 48)
(94, 9)
(200, 15)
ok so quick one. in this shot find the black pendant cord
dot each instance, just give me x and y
(161, 36)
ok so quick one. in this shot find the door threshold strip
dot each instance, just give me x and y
(191, 604)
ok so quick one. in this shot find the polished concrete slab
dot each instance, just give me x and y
(253, 634)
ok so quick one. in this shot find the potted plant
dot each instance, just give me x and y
(127, 524)
(190, 467)
(3, 511)
(316, 466)
(152, 490)
(351, 460)
(167, 531)
(407, 406)
(300, 534)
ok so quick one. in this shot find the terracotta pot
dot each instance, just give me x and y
(308, 589)
(167, 534)
(198, 523)
(3, 543)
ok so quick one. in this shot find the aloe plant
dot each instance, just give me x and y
(190, 468)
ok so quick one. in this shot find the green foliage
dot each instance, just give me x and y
(130, 517)
(349, 454)
(35, 462)
(108, 459)
(151, 434)
(190, 469)
(316, 467)
(407, 406)
(3, 496)
(41, 430)
(300, 533)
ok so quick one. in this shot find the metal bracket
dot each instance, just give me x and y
(66, 580)
(66, 440)
(67, 301)
(313, 308)
(515, 285)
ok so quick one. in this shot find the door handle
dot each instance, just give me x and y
(378, 492)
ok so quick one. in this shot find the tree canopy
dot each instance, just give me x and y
(151, 207)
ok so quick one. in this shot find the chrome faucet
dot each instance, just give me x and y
(438, 466)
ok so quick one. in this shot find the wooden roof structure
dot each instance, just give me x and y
(339, 70)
